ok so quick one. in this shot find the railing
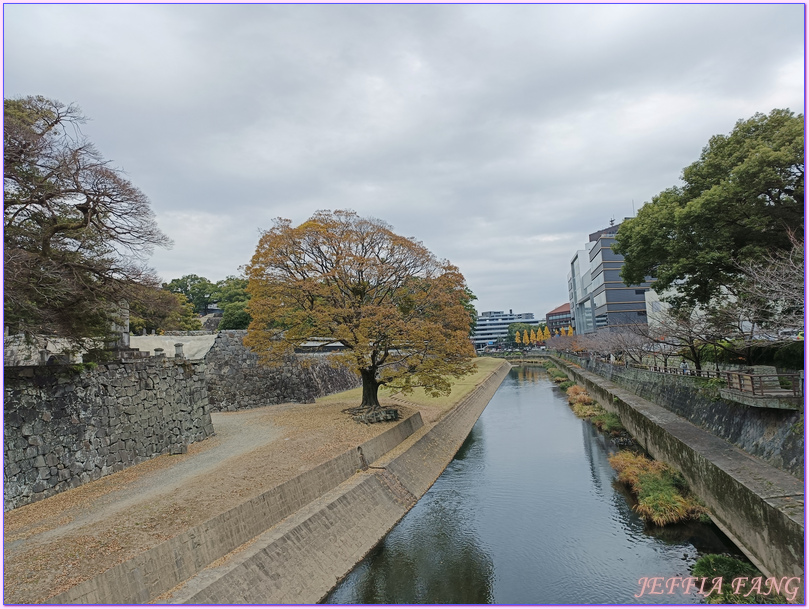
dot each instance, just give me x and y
(767, 384)
(761, 385)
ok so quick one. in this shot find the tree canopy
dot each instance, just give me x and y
(738, 202)
(159, 310)
(401, 313)
(198, 290)
(232, 297)
(76, 232)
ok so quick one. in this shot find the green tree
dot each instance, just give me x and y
(398, 310)
(198, 290)
(235, 316)
(160, 310)
(230, 289)
(232, 297)
(467, 301)
(76, 232)
(516, 329)
(738, 202)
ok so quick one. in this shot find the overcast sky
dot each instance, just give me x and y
(499, 136)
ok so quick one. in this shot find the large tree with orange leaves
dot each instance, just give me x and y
(398, 310)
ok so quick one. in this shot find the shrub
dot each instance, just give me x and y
(565, 385)
(608, 422)
(663, 497)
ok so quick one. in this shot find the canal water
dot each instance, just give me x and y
(528, 513)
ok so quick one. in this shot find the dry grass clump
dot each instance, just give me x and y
(663, 496)
(583, 398)
(576, 390)
(584, 411)
(578, 395)
(582, 404)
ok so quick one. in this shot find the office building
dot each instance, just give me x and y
(598, 296)
(492, 326)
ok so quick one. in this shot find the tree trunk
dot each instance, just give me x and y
(370, 388)
(695, 354)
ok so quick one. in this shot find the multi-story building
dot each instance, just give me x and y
(559, 318)
(598, 296)
(493, 325)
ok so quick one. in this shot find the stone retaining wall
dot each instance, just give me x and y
(64, 427)
(774, 435)
(236, 380)
(758, 506)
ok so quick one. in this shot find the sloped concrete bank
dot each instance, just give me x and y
(759, 506)
(156, 571)
(300, 560)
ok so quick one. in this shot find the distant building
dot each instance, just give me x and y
(559, 318)
(493, 325)
(598, 296)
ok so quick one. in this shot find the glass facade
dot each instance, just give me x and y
(598, 296)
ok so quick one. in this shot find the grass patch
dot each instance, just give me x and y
(432, 409)
(460, 388)
(728, 568)
(663, 496)
(608, 422)
(565, 385)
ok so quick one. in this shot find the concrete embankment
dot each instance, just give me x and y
(759, 506)
(158, 570)
(301, 559)
(291, 543)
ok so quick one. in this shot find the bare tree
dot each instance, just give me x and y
(76, 232)
(772, 293)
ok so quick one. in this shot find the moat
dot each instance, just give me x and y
(528, 513)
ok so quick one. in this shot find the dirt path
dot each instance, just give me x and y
(236, 434)
(56, 543)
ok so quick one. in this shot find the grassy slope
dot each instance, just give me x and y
(460, 389)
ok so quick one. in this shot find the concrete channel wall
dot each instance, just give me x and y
(774, 435)
(302, 559)
(158, 570)
(758, 506)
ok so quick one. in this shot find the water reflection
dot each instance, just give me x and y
(527, 513)
(442, 562)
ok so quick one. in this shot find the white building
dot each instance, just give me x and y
(493, 325)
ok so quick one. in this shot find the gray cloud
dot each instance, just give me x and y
(499, 135)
